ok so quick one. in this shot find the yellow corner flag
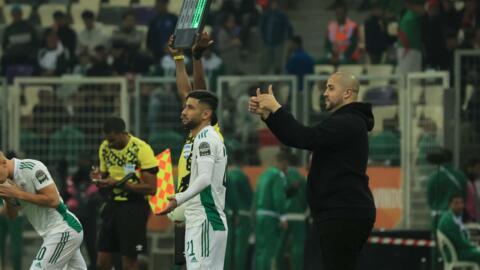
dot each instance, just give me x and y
(164, 182)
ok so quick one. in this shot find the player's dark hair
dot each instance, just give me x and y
(114, 124)
(208, 98)
(88, 14)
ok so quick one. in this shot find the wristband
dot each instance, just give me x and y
(178, 57)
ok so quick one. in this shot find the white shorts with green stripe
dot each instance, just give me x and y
(60, 251)
(205, 247)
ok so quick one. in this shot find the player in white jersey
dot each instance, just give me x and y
(206, 225)
(27, 185)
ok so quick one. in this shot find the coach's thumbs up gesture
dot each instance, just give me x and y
(264, 104)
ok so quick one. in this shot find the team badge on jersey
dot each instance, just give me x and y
(41, 176)
(204, 149)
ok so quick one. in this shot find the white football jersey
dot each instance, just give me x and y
(32, 175)
(209, 203)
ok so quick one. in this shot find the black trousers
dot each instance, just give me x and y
(340, 242)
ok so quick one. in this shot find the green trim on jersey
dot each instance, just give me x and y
(211, 210)
(26, 165)
(59, 248)
(69, 218)
(202, 134)
(205, 240)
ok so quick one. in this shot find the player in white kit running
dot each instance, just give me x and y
(204, 199)
(27, 185)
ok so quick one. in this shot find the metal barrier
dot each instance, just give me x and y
(467, 105)
(60, 119)
(426, 127)
(243, 130)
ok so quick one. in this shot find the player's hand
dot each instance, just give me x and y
(267, 101)
(173, 51)
(202, 42)
(172, 204)
(10, 191)
(107, 182)
(254, 107)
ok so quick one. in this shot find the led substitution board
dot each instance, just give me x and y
(191, 22)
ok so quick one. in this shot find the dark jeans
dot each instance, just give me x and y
(341, 242)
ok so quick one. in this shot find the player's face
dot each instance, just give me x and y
(333, 94)
(192, 113)
(457, 206)
(115, 140)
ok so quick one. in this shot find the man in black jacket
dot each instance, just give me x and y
(337, 191)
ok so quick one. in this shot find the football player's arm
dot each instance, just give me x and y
(149, 169)
(45, 197)
(202, 42)
(205, 164)
(181, 75)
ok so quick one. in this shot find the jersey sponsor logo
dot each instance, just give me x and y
(41, 176)
(204, 149)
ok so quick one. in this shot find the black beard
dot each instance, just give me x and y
(190, 125)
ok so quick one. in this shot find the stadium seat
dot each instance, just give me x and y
(46, 11)
(90, 2)
(77, 9)
(356, 70)
(319, 69)
(146, 3)
(434, 95)
(379, 70)
(383, 112)
(26, 10)
(175, 7)
(120, 3)
(449, 254)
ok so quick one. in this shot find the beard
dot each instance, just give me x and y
(190, 124)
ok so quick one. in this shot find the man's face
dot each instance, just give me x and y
(129, 22)
(193, 113)
(333, 94)
(88, 23)
(341, 14)
(457, 205)
(115, 140)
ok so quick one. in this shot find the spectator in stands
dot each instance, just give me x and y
(299, 62)
(453, 18)
(19, 43)
(229, 45)
(451, 225)
(67, 36)
(92, 36)
(126, 60)
(436, 52)
(341, 39)
(385, 145)
(160, 29)
(409, 52)
(167, 64)
(49, 113)
(213, 67)
(12, 229)
(100, 65)
(84, 63)
(377, 40)
(472, 202)
(128, 34)
(275, 29)
(53, 57)
(443, 183)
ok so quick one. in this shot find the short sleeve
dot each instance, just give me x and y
(206, 150)
(146, 157)
(41, 177)
(101, 158)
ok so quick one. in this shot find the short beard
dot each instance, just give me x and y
(190, 125)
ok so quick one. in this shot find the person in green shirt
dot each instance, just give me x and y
(293, 239)
(409, 52)
(443, 183)
(452, 227)
(270, 205)
(238, 203)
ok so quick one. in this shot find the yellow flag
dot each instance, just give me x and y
(165, 186)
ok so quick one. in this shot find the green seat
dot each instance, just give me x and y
(385, 148)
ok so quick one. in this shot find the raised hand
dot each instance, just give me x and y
(173, 51)
(267, 101)
(202, 42)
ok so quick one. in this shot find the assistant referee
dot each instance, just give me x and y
(337, 190)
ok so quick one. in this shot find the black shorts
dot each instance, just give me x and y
(124, 228)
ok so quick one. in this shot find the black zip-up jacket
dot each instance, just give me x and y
(337, 185)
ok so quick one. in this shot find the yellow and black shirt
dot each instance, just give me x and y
(136, 156)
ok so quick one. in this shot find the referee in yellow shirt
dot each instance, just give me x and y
(127, 174)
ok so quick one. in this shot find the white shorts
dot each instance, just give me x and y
(205, 248)
(60, 251)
